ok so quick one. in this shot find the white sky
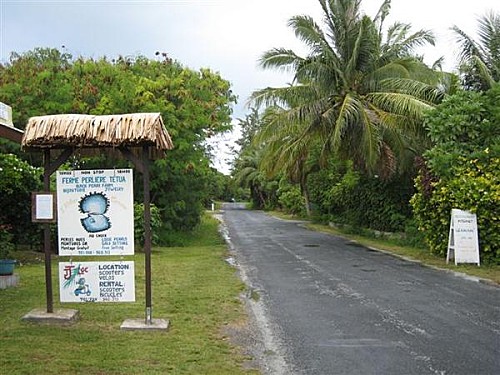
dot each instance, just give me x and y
(227, 36)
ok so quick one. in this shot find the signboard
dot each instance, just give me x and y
(43, 207)
(463, 242)
(5, 115)
(111, 281)
(95, 210)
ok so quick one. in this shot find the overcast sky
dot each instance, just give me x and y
(227, 36)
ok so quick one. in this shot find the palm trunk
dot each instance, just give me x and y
(305, 193)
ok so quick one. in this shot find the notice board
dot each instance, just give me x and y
(95, 210)
(463, 241)
(111, 281)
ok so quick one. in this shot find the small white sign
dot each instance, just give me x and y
(463, 241)
(97, 281)
(6, 115)
(44, 207)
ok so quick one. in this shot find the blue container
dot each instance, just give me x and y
(7, 267)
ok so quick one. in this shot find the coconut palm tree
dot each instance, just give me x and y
(479, 60)
(287, 152)
(359, 96)
(248, 174)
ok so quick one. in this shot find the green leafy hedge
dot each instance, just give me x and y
(475, 188)
(17, 180)
(462, 170)
(345, 196)
(156, 224)
(290, 198)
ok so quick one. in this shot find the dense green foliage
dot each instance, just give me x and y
(345, 138)
(248, 174)
(6, 244)
(462, 170)
(194, 105)
(340, 140)
(346, 196)
(156, 224)
(462, 129)
(290, 198)
(17, 180)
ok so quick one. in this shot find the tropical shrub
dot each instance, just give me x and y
(6, 244)
(474, 188)
(345, 196)
(156, 224)
(461, 171)
(290, 198)
(18, 180)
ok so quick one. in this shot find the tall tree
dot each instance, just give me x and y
(479, 60)
(247, 173)
(194, 105)
(288, 151)
(359, 95)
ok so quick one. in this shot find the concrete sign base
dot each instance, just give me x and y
(140, 324)
(59, 316)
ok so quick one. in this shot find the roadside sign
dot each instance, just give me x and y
(95, 210)
(111, 281)
(463, 242)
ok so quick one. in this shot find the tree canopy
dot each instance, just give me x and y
(358, 93)
(479, 59)
(194, 104)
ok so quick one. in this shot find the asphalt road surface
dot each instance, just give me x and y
(330, 306)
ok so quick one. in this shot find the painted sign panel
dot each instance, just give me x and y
(463, 239)
(111, 281)
(95, 211)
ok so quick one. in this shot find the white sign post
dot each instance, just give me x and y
(95, 211)
(111, 281)
(463, 242)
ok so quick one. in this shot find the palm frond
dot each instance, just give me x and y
(347, 114)
(308, 31)
(420, 90)
(370, 140)
(468, 46)
(281, 59)
(382, 13)
(398, 103)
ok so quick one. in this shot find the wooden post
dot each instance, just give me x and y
(46, 237)
(147, 233)
(48, 169)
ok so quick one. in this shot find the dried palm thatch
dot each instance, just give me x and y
(87, 131)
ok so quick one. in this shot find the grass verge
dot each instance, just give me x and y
(488, 272)
(193, 287)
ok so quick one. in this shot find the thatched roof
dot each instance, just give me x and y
(87, 131)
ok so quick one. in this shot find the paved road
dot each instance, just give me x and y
(334, 307)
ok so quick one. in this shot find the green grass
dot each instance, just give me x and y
(193, 287)
(489, 272)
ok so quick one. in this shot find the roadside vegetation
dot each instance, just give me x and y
(193, 287)
(368, 136)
